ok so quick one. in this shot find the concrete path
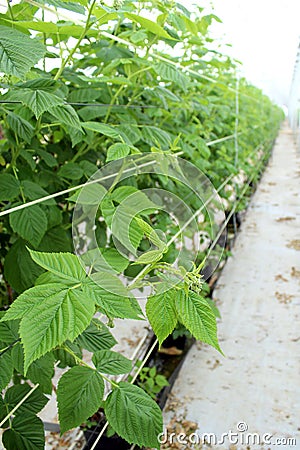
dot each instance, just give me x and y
(257, 385)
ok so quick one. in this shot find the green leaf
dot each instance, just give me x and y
(56, 239)
(41, 371)
(134, 415)
(48, 158)
(156, 136)
(213, 306)
(130, 134)
(79, 395)
(9, 187)
(19, 269)
(161, 313)
(64, 265)
(151, 234)
(105, 259)
(96, 337)
(112, 363)
(33, 191)
(63, 315)
(30, 223)
(66, 115)
(33, 404)
(149, 25)
(196, 315)
(18, 52)
(38, 101)
(8, 330)
(101, 128)
(7, 369)
(149, 257)
(110, 283)
(28, 299)
(171, 73)
(71, 171)
(26, 433)
(110, 304)
(117, 151)
(20, 126)
(90, 194)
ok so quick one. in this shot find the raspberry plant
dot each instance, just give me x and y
(84, 84)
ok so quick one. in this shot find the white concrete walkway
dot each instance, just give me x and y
(258, 382)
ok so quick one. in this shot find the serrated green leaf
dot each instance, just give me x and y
(117, 151)
(63, 315)
(20, 126)
(66, 115)
(79, 395)
(149, 25)
(213, 306)
(33, 191)
(149, 257)
(130, 134)
(171, 73)
(37, 100)
(48, 158)
(33, 404)
(151, 234)
(100, 128)
(41, 371)
(71, 171)
(110, 304)
(30, 223)
(19, 269)
(91, 194)
(109, 282)
(7, 369)
(26, 433)
(8, 330)
(28, 299)
(161, 313)
(64, 265)
(112, 363)
(9, 187)
(56, 239)
(134, 415)
(156, 137)
(196, 315)
(18, 52)
(105, 259)
(96, 337)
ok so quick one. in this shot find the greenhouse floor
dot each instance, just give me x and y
(255, 388)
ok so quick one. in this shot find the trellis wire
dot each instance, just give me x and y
(74, 188)
(152, 53)
(236, 140)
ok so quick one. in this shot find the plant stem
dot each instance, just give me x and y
(81, 37)
(83, 363)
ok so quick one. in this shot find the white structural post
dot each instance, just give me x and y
(294, 99)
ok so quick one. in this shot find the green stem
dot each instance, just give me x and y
(83, 363)
(81, 37)
(115, 97)
(10, 11)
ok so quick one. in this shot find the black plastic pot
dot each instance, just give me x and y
(106, 443)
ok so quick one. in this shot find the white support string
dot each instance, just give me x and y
(79, 186)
